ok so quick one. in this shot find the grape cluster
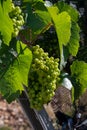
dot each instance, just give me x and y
(43, 78)
(17, 18)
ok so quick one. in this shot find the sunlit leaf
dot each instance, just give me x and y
(6, 25)
(38, 18)
(16, 73)
(74, 14)
(73, 45)
(79, 76)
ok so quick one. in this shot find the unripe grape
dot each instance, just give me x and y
(18, 27)
(15, 33)
(14, 20)
(17, 8)
(12, 6)
(56, 60)
(18, 23)
(48, 76)
(45, 73)
(17, 18)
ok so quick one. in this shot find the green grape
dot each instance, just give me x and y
(17, 8)
(43, 78)
(14, 20)
(17, 19)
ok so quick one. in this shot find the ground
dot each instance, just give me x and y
(13, 116)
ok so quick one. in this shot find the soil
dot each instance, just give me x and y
(12, 115)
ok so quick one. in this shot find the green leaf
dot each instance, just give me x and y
(74, 14)
(73, 45)
(38, 19)
(79, 76)
(24, 4)
(16, 73)
(74, 39)
(23, 63)
(6, 25)
(63, 28)
(62, 23)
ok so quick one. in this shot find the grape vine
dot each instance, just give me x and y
(44, 72)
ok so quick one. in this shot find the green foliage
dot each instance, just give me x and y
(74, 39)
(62, 26)
(70, 37)
(74, 14)
(79, 76)
(24, 4)
(16, 70)
(73, 45)
(38, 18)
(6, 25)
(62, 23)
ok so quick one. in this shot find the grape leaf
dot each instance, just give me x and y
(63, 28)
(74, 14)
(62, 22)
(73, 45)
(79, 76)
(38, 19)
(6, 25)
(74, 39)
(24, 4)
(16, 73)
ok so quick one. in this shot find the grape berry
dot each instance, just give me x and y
(43, 78)
(17, 18)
